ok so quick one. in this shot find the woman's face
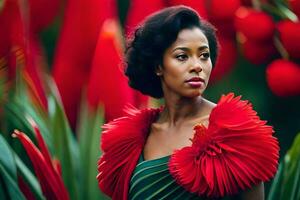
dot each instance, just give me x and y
(186, 64)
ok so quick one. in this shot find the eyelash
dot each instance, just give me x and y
(183, 57)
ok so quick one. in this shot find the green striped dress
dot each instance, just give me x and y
(151, 179)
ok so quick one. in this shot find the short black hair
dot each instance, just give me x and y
(146, 46)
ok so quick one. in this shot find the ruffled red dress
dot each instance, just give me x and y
(236, 151)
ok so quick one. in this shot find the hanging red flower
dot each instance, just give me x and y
(258, 52)
(283, 78)
(255, 25)
(225, 156)
(289, 36)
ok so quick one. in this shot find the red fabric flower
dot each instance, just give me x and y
(283, 78)
(47, 172)
(226, 59)
(236, 150)
(289, 35)
(255, 25)
(122, 143)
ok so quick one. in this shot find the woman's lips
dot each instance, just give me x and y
(195, 82)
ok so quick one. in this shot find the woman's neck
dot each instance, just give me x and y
(178, 110)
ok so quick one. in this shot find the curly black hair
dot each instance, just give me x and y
(145, 48)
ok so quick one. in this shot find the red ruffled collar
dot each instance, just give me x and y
(236, 150)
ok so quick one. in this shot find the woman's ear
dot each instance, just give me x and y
(159, 71)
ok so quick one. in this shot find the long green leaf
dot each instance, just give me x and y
(7, 159)
(29, 178)
(65, 146)
(286, 184)
(11, 185)
(89, 142)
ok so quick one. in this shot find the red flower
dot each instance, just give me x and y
(283, 78)
(236, 151)
(107, 84)
(43, 12)
(289, 35)
(258, 52)
(46, 171)
(226, 59)
(223, 10)
(255, 25)
(75, 49)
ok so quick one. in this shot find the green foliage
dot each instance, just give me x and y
(286, 185)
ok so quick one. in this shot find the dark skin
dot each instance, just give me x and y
(186, 58)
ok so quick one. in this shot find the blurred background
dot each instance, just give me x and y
(61, 78)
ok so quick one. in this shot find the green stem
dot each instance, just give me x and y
(279, 46)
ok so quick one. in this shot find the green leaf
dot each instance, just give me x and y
(11, 185)
(65, 145)
(7, 159)
(29, 178)
(89, 142)
(287, 181)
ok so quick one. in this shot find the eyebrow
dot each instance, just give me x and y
(187, 49)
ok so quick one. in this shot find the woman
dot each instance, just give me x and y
(191, 148)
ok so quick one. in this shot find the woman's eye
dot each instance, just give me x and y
(181, 57)
(205, 55)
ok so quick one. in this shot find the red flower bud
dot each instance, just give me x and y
(255, 25)
(290, 37)
(283, 78)
(258, 52)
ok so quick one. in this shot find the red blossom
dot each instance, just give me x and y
(283, 78)
(42, 12)
(107, 84)
(223, 10)
(226, 156)
(50, 179)
(255, 25)
(289, 36)
(258, 52)
(76, 47)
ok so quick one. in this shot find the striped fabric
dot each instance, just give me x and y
(151, 179)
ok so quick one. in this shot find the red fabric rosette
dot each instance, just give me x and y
(236, 150)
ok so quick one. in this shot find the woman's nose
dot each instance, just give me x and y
(196, 66)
